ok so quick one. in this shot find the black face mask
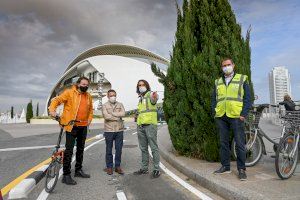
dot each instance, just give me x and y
(83, 88)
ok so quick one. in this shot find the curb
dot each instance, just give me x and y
(225, 191)
(27, 185)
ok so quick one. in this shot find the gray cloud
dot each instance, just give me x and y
(38, 39)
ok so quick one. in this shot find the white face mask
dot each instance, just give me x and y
(112, 99)
(228, 69)
(142, 89)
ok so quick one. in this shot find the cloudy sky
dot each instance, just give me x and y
(39, 38)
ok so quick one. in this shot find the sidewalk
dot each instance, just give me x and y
(262, 183)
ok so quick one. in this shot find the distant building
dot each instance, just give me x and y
(279, 84)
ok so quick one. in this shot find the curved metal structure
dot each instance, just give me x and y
(120, 50)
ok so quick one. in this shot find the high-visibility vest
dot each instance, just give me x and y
(230, 98)
(147, 113)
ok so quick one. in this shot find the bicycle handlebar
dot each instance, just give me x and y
(72, 122)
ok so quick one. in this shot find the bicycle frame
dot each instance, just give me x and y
(291, 155)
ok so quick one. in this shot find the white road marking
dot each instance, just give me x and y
(134, 133)
(121, 195)
(28, 148)
(44, 195)
(186, 185)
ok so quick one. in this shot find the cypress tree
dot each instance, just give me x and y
(207, 31)
(29, 113)
(37, 109)
(12, 112)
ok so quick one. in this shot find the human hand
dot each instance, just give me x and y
(154, 95)
(52, 114)
(242, 118)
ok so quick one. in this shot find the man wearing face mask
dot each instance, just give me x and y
(113, 111)
(147, 127)
(231, 101)
(77, 106)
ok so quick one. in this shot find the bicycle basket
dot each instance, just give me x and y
(292, 117)
(254, 117)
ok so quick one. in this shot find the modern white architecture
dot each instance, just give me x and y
(113, 66)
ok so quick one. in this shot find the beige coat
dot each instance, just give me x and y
(113, 114)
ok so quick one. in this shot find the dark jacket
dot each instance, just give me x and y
(246, 99)
(289, 105)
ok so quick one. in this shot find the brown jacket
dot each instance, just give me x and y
(71, 100)
(113, 114)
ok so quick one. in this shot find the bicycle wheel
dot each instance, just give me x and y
(51, 176)
(254, 147)
(285, 163)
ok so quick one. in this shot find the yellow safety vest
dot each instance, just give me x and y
(147, 113)
(230, 98)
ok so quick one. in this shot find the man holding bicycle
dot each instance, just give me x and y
(231, 101)
(77, 106)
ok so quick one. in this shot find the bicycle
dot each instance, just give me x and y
(255, 146)
(287, 154)
(52, 172)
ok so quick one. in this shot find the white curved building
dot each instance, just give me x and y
(121, 65)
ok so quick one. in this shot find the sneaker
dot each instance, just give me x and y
(155, 174)
(242, 175)
(141, 171)
(222, 170)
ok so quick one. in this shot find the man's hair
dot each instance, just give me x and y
(287, 97)
(145, 82)
(82, 78)
(111, 90)
(226, 58)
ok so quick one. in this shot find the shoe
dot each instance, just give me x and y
(222, 170)
(67, 179)
(242, 175)
(141, 171)
(155, 174)
(81, 174)
(109, 171)
(119, 170)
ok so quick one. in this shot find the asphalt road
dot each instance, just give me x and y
(100, 185)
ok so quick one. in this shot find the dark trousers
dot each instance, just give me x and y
(78, 133)
(110, 137)
(225, 124)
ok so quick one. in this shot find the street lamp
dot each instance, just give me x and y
(100, 90)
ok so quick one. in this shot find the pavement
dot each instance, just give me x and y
(262, 183)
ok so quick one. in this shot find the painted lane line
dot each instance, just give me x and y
(99, 136)
(186, 185)
(27, 148)
(44, 195)
(121, 195)
(134, 133)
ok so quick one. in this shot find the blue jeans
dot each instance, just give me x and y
(225, 124)
(110, 137)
